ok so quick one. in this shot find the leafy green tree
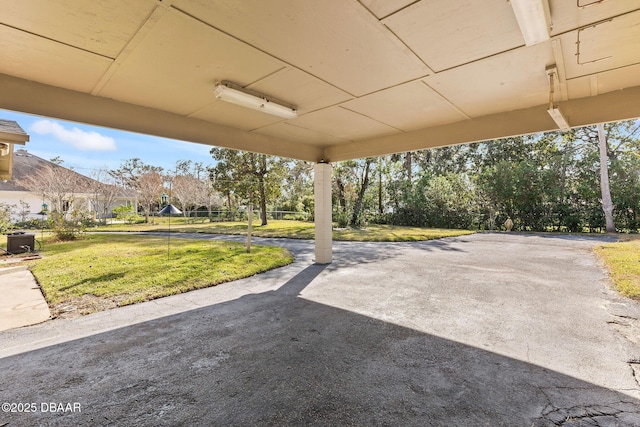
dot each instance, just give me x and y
(253, 177)
(451, 201)
(297, 192)
(352, 181)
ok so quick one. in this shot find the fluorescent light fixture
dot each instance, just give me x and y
(559, 118)
(229, 92)
(554, 110)
(534, 19)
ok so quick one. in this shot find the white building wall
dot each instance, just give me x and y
(14, 198)
(82, 201)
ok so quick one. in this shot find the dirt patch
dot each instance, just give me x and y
(83, 305)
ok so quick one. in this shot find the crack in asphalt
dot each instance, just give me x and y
(634, 364)
(597, 414)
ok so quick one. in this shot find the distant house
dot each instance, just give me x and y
(87, 194)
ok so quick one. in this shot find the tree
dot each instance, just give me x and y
(57, 160)
(206, 195)
(352, 180)
(185, 189)
(363, 181)
(149, 187)
(23, 211)
(253, 177)
(607, 204)
(5, 216)
(297, 193)
(59, 186)
(192, 187)
(145, 179)
(104, 192)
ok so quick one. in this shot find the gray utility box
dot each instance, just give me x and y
(20, 243)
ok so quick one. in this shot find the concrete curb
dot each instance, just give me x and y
(9, 270)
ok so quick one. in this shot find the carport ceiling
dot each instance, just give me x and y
(368, 77)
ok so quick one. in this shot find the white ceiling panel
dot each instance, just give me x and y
(297, 134)
(579, 88)
(568, 15)
(609, 81)
(176, 66)
(609, 45)
(407, 107)
(300, 89)
(368, 77)
(505, 83)
(341, 123)
(383, 8)
(448, 33)
(235, 116)
(42, 60)
(103, 27)
(619, 79)
(338, 41)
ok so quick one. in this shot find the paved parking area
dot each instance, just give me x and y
(488, 329)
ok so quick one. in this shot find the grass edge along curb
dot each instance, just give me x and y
(102, 271)
(622, 260)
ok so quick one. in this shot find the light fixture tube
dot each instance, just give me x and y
(234, 94)
(559, 118)
(534, 20)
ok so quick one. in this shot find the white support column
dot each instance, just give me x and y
(322, 196)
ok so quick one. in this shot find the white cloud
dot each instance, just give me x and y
(76, 138)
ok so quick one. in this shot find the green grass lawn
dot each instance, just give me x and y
(295, 230)
(103, 271)
(623, 261)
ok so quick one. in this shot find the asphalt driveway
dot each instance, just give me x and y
(488, 329)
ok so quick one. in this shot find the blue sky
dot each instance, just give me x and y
(83, 147)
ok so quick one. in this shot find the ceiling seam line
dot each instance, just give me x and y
(458, 109)
(284, 67)
(436, 72)
(142, 32)
(262, 51)
(595, 73)
(305, 128)
(400, 10)
(611, 18)
(429, 68)
(58, 41)
(417, 79)
(371, 118)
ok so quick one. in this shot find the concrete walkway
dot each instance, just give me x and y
(21, 300)
(488, 329)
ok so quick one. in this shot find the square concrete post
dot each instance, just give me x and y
(322, 196)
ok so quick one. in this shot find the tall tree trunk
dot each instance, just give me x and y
(261, 189)
(380, 207)
(342, 200)
(607, 204)
(357, 207)
(408, 166)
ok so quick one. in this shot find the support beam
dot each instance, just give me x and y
(44, 100)
(322, 195)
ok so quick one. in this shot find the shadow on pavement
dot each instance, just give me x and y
(277, 359)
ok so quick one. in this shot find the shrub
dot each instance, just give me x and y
(5, 217)
(125, 213)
